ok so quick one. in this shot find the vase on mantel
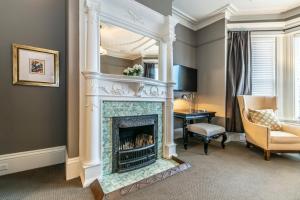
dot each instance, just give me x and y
(136, 70)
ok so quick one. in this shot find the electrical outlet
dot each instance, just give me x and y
(3, 167)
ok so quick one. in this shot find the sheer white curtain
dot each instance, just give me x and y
(288, 77)
(276, 71)
(297, 76)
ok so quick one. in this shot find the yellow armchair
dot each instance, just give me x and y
(285, 140)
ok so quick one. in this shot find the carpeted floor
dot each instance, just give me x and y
(231, 174)
(42, 184)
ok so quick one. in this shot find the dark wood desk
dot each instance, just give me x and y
(188, 117)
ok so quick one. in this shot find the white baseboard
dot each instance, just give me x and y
(72, 168)
(22, 161)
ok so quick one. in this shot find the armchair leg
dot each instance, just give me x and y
(248, 145)
(267, 154)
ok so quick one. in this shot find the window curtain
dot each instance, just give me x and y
(238, 80)
(149, 70)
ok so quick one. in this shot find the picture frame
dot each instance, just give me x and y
(34, 66)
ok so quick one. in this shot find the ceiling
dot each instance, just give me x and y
(198, 10)
(122, 43)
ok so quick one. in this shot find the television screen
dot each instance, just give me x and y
(185, 78)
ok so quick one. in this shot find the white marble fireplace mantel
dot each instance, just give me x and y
(96, 87)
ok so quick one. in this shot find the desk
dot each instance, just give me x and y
(187, 117)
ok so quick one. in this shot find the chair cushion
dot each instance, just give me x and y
(265, 117)
(281, 137)
(206, 129)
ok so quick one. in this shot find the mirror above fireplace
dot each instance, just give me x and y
(121, 49)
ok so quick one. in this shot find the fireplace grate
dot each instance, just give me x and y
(136, 158)
(134, 142)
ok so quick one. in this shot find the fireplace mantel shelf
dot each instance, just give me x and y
(125, 79)
(126, 86)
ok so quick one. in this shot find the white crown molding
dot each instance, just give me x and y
(184, 19)
(292, 23)
(256, 26)
(291, 13)
(183, 15)
(229, 11)
(283, 16)
(265, 25)
(210, 20)
(22, 161)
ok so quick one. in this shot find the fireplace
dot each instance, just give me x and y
(134, 143)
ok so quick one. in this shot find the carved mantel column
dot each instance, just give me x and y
(93, 38)
(169, 145)
(90, 157)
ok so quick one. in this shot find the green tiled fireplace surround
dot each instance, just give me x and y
(125, 108)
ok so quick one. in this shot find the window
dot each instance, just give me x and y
(263, 50)
(297, 76)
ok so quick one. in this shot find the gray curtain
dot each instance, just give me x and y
(149, 69)
(238, 77)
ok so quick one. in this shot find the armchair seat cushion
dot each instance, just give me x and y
(281, 137)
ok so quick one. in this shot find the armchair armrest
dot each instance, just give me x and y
(294, 129)
(257, 133)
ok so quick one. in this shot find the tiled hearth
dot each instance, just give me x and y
(115, 181)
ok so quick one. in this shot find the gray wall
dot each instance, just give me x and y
(211, 64)
(162, 6)
(184, 51)
(185, 46)
(31, 117)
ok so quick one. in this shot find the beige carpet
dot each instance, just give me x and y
(231, 174)
(42, 184)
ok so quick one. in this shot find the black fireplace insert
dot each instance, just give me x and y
(134, 142)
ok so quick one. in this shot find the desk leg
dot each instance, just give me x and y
(190, 133)
(185, 134)
(209, 119)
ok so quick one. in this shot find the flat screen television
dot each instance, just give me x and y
(185, 78)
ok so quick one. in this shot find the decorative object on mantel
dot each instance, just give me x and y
(35, 66)
(136, 70)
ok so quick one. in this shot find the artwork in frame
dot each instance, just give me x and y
(35, 66)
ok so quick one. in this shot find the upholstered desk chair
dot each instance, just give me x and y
(287, 139)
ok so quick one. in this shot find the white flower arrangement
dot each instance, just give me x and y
(136, 70)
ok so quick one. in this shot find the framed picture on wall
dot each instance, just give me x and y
(35, 66)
